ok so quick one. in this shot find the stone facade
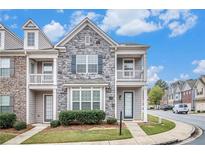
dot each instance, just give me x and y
(15, 86)
(98, 46)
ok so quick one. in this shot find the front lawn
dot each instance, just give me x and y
(5, 137)
(74, 134)
(153, 127)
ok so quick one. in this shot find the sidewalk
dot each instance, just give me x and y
(22, 137)
(181, 132)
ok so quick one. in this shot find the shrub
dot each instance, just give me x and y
(19, 125)
(111, 120)
(7, 120)
(66, 117)
(203, 111)
(55, 123)
(83, 117)
(90, 117)
(198, 111)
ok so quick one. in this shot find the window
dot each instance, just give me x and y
(87, 63)
(87, 40)
(31, 39)
(86, 99)
(81, 63)
(128, 68)
(5, 104)
(92, 64)
(47, 68)
(4, 67)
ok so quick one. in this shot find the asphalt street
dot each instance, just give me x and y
(194, 119)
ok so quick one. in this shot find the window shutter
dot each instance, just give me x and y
(100, 64)
(73, 64)
(11, 103)
(12, 67)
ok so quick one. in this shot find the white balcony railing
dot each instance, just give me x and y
(130, 74)
(41, 79)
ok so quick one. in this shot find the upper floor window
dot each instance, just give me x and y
(4, 67)
(31, 39)
(200, 92)
(5, 103)
(87, 63)
(87, 40)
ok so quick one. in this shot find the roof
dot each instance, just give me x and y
(86, 81)
(201, 79)
(191, 82)
(3, 27)
(79, 27)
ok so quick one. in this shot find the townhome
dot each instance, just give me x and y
(174, 92)
(199, 97)
(187, 93)
(86, 70)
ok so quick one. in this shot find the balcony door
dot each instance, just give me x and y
(47, 72)
(128, 68)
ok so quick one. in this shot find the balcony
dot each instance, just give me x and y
(41, 79)
(137, 75)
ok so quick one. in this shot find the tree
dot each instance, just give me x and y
(155, 95)
(162, 84)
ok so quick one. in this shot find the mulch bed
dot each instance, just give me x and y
(14, 131)
(84, 127)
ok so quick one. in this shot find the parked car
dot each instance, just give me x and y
(166, 107)
(180, 108)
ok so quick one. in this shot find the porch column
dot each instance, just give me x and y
(54, 105)
(145, 103)
(55, 71)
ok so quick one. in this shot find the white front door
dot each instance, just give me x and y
(128, 105)
(48, 108)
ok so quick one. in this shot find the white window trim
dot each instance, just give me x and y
(2, 45)
(7, 68)
(87, 43)
(86, 63)
(133, 61)
(26, 39)
(80, 89)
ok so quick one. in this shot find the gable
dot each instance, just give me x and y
(199, 84)
(186, 87)
(30, 25)
(86, 22)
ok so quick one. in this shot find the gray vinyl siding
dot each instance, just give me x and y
(137, 103)
(43, 42)
(32, 106)
(11, 42)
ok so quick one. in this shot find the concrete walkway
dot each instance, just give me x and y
(22, 137)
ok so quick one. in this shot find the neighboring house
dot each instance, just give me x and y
(187, 93)
(165, 99)
(174, 92)
(86, 70)
(199, 98)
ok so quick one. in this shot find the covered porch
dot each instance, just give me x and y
(132, 101)
(42, 106)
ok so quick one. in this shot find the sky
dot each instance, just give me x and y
(176, 37)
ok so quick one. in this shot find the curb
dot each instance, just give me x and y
(174, 141)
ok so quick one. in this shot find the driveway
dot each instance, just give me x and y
(197, 120)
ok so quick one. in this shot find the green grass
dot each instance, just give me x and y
(5, 137)
(153, 127)
(78, 136)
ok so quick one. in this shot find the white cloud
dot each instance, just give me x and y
(135, 22)
(14, 26)
(54, 30)
(184, 76)
(60, 11)
(78, 16)
(200, 66)
(153, 73)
